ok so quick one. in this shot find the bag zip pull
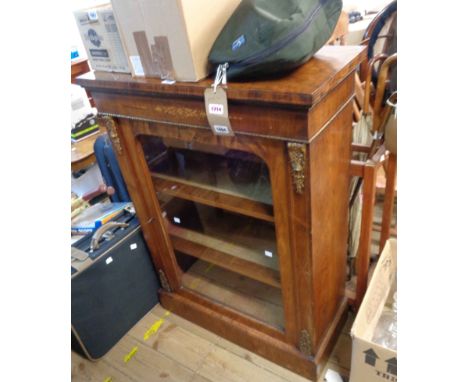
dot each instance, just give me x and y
(224, 74)
(221, 76)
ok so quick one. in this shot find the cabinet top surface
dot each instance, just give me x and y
(303, 87)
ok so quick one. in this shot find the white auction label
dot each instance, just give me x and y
(220, 129)
(216, 108)
(137, 66)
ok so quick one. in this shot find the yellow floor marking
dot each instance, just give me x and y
(108, 379)
(130, 355)
(155, 327)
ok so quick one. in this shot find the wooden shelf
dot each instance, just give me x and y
(245, 295)
(212, 196)
(239, 243)
(226, 255)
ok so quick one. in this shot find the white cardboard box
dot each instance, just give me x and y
(171, 39)
(101, 38)
(371, 362)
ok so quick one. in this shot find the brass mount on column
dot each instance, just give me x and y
(305, 343)
(297, 155)
(164, 282)
(113, 135)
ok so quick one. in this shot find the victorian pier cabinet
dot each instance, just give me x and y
(248, 232)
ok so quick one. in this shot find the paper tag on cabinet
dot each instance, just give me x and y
(217, 111)
(137, 66)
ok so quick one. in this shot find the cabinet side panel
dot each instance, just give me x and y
(330, 155)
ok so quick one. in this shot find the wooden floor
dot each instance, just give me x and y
(165, 347)
(182, 351)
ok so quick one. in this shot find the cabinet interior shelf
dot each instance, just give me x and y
(245, 261)
(212, 196)
(245, 295)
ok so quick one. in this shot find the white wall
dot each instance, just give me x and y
(364, 5)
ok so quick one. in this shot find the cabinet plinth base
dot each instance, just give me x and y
(269, 347)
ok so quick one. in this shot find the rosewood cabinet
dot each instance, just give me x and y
(248, 233)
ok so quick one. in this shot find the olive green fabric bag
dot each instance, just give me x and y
(266, 37)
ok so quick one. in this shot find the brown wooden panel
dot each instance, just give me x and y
(356, 147)
(300, 241)
(278, 165)
(363, 255)
(330, 105)
(244, 118)
(138, 180)
(389, 200)
(329, 181)
(356, 168)
(306, 86)
(79, 67)
(330, 337)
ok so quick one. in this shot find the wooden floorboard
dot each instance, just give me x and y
(179, 350)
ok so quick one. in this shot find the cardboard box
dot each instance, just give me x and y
(171, 39)
(100, 36)
(371, 362)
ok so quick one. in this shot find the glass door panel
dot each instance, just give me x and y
(232, 172)
(218, 212)
(233, 290)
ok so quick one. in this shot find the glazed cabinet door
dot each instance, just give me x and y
(216, 215)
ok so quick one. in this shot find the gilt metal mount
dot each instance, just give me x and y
(164, 282)
(113, 135)
(297, 155)
(305, 343)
